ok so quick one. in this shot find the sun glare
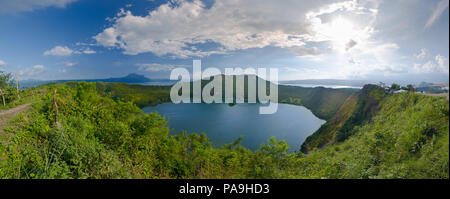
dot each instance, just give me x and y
(339, 31)
(342, 30)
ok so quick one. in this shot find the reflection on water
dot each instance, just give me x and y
(223, 123)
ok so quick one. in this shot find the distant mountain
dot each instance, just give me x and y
(132, 78)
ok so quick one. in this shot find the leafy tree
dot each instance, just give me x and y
(411, 88)
(7, 91)
(5, 79)
(395, 87)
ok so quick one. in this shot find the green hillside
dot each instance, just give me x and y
(93, 135)
(357, 109)
(323, 102)
(139, 94)
(408, 138)
(326, 134)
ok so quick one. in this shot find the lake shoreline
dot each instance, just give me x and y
(224, 123)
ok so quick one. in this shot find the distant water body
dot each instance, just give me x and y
(161, 83)
(224, 124)
(323, 85)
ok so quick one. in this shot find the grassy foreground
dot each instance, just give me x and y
(96, 135)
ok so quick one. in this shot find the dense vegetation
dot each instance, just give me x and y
(357, 109)
(96, 136)
(9, 91)
(139, 94)
(408, 138)
(326, 134)
(323, 102)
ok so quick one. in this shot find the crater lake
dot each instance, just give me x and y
(223, 123)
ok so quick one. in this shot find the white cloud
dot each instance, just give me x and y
(107, 38)
(423, 53)
(66, 51)
(383, 48)
(69, 64)
(354, 50)
(59, 51)
(343, 24)
(342, 33)
(316, 30)
(437, 65)
(440, 8)
(12, 6)
(440, 60)
(302, 51)
(157, 67)
(2, 63)
(371, 56)
(84, 44)
(38, 67)
(173, 28)
(351, 60)
(427, 67)
(89, 51)
(32, 72)
(291, 69)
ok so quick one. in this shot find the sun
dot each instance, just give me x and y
(342, 30)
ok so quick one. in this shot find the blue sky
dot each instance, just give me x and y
(398, 40)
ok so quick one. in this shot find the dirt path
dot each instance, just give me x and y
(6, 115)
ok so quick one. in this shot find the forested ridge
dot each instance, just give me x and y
(360, 107)
(95, 133)
(323, 102)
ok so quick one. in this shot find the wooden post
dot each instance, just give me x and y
(17, 86)
(3, 96)
(56, 106)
